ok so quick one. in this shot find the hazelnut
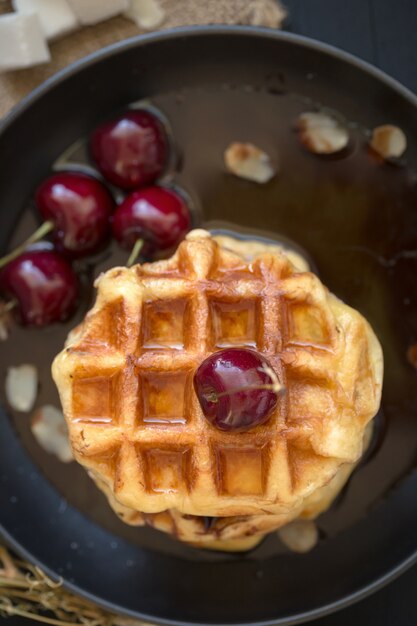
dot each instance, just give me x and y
(321, 134)
(50, 430)
(388, 141)
(299, 536)
(22, 387)
(247, 161)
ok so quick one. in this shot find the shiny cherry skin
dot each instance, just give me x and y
(131, 150)
(80, 207)
(230, 386)
(44, 286)
(157, 215)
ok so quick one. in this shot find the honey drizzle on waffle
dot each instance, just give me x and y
(134, 418)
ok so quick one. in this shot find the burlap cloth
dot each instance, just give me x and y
(15, 85)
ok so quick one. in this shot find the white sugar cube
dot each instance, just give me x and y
(94, 11)
(22, 42)
(147, 14)
(56, 16)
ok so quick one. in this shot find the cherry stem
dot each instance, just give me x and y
(43, 230)
(135, 252)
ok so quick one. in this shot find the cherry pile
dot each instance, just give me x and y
(131, 152)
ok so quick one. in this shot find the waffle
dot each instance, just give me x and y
(125, 381)
(250, 249)
(236, 533)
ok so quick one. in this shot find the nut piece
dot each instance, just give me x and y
(50, 430)
(321, 134)
(247, 161)
(299, 536)
(388, 141)
(22, 387)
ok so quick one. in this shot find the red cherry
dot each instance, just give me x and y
(44, 286)
(79, 207)
(237, 389)
(157, 215)
(131, 150)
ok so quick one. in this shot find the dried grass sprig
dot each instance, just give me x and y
(26, 591)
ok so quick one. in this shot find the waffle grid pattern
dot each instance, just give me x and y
(134, 418)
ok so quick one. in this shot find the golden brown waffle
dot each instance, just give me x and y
(125, 380)
(248, 250)
(236, 533)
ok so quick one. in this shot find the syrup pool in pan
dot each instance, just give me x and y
(352, 216)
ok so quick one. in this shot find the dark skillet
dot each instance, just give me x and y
(354, 215)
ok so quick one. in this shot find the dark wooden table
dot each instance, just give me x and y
(383, 32)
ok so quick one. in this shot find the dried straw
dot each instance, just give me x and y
(26, 591)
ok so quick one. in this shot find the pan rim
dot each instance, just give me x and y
(196, 31)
